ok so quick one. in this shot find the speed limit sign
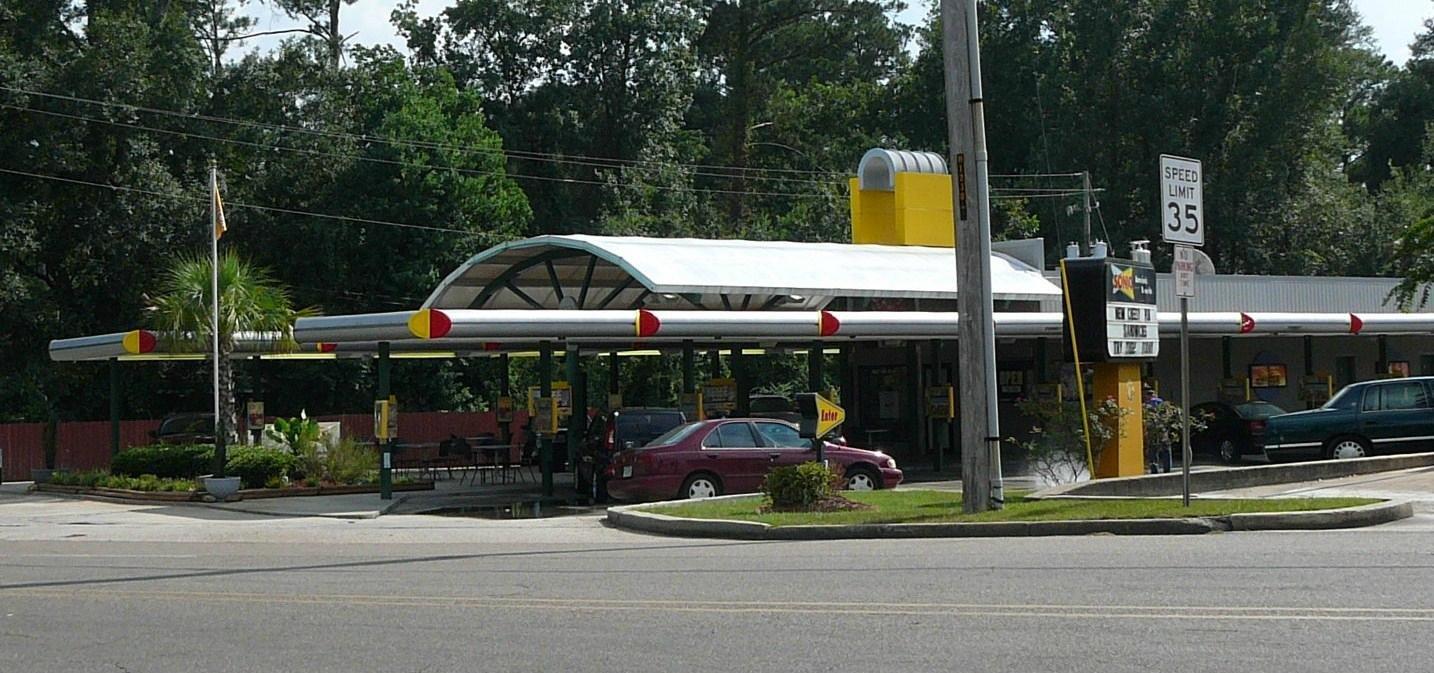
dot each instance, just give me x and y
(1182, 206)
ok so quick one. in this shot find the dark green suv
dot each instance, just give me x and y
(1363, 419)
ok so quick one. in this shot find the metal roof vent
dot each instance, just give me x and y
(878, 168)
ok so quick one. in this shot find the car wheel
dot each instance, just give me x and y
(700, 486)
(1344, 448)
(862, 479)
(1229, 452)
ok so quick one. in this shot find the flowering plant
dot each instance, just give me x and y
(1056, 450)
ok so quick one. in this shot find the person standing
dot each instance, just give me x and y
(1157, 440)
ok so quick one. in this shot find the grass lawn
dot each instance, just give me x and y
(914, 506)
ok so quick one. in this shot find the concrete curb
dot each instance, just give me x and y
(236, 506)
(1350, 517)
(634, 517)
(1155, 485)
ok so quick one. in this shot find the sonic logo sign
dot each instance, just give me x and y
(1112, 303)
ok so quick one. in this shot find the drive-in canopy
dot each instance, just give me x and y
(626, 272)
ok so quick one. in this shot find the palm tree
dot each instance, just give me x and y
(251, 302)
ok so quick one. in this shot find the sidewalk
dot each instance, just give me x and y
(1416, 484)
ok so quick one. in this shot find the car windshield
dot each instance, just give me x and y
(186, 424)
(674, 435)
(1258, 410)
(642, 427)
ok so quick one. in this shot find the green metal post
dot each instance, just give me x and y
(545, 389)
(114, 406)
(916, 409)
(614, 378)
(1382, 368)
(739, 372)
(385, 470)
(505, 430)
(937, 378)
(689, 368)
(816, 374)
(1226, 358)
(579, 413)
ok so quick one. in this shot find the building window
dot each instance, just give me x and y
(1426, 365)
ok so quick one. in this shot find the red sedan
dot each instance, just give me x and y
(733, 455)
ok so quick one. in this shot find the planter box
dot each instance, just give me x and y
(56, 488)
(246, 494)
(164, 496)
(119, 493)
(291, 491)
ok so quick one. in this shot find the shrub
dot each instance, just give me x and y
(800, 486)
(166, 461)
(85, 479)
(144, 482)
(351, 463)
(1056, 447)
(256, 465)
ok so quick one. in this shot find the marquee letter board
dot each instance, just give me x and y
(1113, 304)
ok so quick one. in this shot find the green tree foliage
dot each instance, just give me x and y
(1395, 124)
(377, 140)
(1254, 89)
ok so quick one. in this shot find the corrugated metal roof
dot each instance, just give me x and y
(703, 271)
(1288, 294)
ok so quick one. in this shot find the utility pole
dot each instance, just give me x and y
(966, 130)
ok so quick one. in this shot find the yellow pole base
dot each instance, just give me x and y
(1123, 455)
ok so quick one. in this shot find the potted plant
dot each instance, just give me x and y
(49, 444)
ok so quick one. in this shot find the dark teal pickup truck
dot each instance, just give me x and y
(1363, 419)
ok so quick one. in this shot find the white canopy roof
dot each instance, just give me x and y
(590, 272)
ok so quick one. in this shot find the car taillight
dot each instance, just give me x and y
(607, 441)
(1257, 426)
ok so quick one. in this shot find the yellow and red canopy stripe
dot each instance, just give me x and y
(430, 324)
(138, 341)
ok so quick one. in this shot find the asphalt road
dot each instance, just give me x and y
(95, 587)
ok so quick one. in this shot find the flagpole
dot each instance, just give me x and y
(214, 267)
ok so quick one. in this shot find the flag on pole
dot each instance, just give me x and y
(219, 225)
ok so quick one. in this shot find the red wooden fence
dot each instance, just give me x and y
(85, 445)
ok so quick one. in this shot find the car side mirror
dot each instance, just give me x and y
(629, 444)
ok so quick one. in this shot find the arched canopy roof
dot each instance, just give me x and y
(621, 272)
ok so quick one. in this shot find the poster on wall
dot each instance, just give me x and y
(1268, 376)
(719, 397)
(1399, 369)
(888, 405)
(562, 392)
(1011, 383)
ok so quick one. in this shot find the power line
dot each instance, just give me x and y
(235, 204)
(596, 162)
(577, 159)
(474, 171)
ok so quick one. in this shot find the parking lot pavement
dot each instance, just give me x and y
(49, 518)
